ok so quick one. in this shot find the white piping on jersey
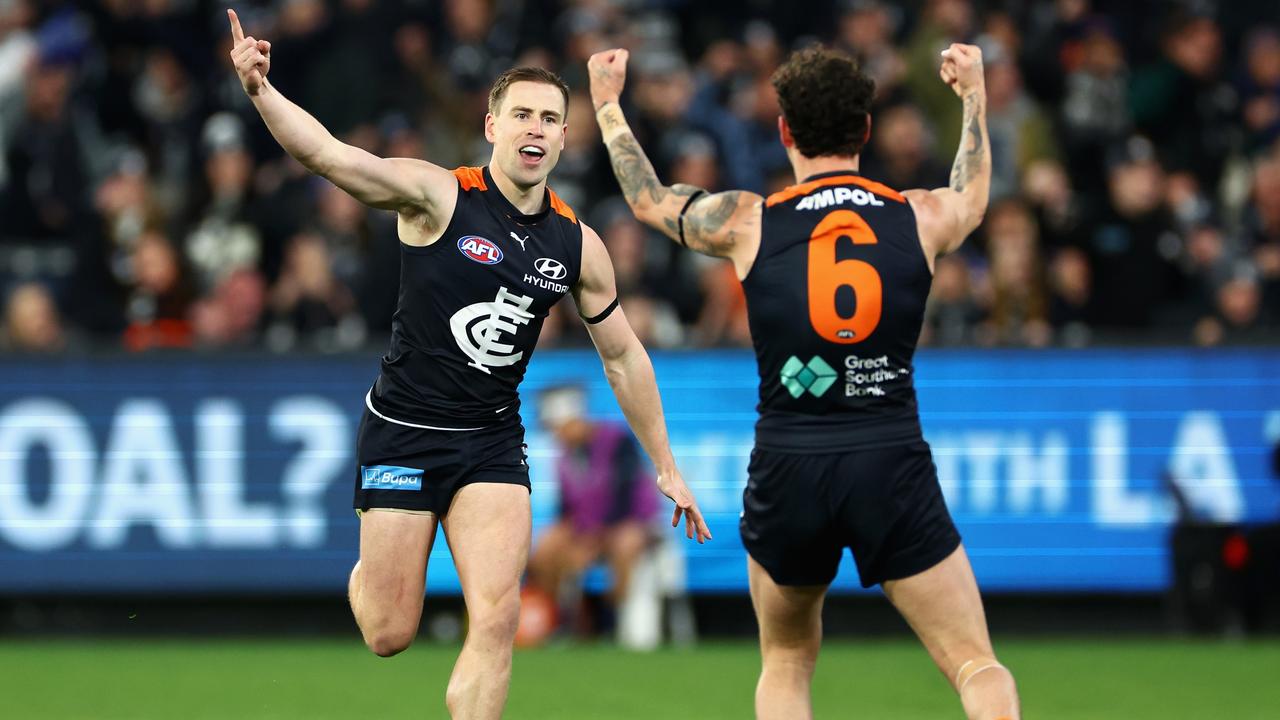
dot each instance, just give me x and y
(368, 402)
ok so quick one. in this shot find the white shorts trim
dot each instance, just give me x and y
(368, 402)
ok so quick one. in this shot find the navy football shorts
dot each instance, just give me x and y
(410, 468)
(884, 504)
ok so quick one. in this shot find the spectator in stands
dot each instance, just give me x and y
(952, 314)
(653, 321)
(31, 321)
(941, 23)
(1021, 133)
(310, 307)
(1208, 260)
(348, 231)
(1071, 311)
(607, 498)
(1237, 315)
(1095, 104)
(160, 296)
(1019, 312)
(657, 272)
(230, 316)
(47, 196)
(1180, 102)
(865, 30)
(1133, 247)
(421, 90)
(757, 103)
(224, 233)
(580, 174)
(902, 151)
(1262, 216)
(1060, 211)
(17, 52)
(1259, 89)
(125, 203)
(172, 112)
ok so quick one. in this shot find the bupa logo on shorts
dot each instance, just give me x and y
(390, 477)
(549, 268)
(483, 251)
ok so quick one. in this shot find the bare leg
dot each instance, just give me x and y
(790, 620)
(550, 560)
(386, 585)
(488, 528)
(623, 545)
(943, 606)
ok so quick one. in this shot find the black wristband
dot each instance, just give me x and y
(683, 210)
(596, 319)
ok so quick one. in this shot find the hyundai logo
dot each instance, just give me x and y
(553, 269)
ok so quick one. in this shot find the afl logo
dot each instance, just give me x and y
(553, 269)
(479, 249)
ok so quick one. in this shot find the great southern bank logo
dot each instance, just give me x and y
(817, 376)
(390, 477)
(479, 249)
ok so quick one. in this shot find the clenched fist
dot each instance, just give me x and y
(608, 73)
(251, 57)
(962, 69)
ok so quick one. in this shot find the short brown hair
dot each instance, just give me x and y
(825, 100)
(525, 74)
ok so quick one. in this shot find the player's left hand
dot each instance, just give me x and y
(672, 485)
(608, 73)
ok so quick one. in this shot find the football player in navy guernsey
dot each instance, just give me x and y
(485, 254)
(836, 270)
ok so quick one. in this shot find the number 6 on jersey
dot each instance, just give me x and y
(827, 276)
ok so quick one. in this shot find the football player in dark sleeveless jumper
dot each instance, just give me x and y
(836, 270)
(485, 254)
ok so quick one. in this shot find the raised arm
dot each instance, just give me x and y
(946, 216)
(725, 224)
(419, 191)
(630, 374)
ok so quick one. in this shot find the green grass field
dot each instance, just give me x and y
(1060, 679)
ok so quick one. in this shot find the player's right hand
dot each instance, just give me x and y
(671, 483)
(962, 69)
(251, 57)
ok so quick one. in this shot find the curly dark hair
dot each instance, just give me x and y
(525, 74)
(825, 100)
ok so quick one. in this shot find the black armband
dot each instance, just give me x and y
(683, 210)
(597, 319)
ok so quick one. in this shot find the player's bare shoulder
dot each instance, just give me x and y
(724, 224)
(422, 223)
(937, 222)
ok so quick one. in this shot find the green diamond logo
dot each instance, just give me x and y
(824, 376)
(792, 368)
(817, 376)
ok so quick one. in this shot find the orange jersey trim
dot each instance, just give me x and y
(470, 177)
(804, 189)
(560, 207)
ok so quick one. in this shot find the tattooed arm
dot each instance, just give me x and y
(946, 216)
(725, 224)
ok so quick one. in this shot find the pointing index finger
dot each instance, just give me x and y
(237, 34)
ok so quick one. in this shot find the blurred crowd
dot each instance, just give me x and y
(143, 205)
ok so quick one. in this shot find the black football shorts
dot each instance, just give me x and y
(412, 468)
(884, 504)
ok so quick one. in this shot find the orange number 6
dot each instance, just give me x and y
(826, 277)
